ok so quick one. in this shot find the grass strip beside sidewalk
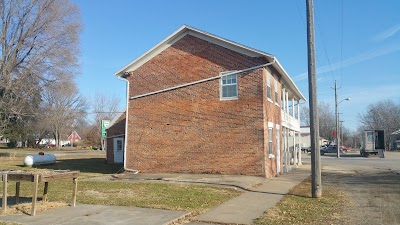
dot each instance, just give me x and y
(298, 207)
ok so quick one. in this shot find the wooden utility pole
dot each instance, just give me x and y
(316, 187)
(337, 123)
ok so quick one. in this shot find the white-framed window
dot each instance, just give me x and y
(270, 141)
(229, 87)
(119, 145)
(269, 91)
(276, 90)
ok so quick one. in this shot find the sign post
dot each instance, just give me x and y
(104, 126)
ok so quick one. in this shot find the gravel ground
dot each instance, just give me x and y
(374, 194)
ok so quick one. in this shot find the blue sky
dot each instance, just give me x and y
(357, 42)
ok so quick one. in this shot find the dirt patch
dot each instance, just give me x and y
(374, 196)
(26, 208)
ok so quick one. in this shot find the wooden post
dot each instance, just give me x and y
(34, 197)
(17, 188)
(75, 188)
(46, 188)
(4, 204)
(316, 183)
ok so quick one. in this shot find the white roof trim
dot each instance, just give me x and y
(185, 30)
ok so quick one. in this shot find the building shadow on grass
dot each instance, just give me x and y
(87, 165)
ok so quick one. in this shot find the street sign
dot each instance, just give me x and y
(104, 126)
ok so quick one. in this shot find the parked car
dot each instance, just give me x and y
(330, 149)
(50, 146)
(344, 148)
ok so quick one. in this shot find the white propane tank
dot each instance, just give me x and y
(31, 160)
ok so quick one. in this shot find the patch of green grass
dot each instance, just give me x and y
(297, 207)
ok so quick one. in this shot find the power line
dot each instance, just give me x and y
(321, 32)
(341, 49)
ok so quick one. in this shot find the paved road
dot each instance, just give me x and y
(353, 160)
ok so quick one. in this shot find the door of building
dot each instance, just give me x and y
(118, 150)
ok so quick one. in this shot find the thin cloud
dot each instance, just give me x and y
(387, 33)
(350, 61)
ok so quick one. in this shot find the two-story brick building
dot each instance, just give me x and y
(198, 103)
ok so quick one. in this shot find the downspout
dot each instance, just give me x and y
(126, 123)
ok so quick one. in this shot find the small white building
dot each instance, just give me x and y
(305, 138)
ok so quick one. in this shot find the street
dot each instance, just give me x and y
(371, 184)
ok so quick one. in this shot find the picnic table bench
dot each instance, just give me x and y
(36, 177)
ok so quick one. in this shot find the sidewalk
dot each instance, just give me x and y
(252, 204)
(98, 215)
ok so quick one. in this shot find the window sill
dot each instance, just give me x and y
(228, 99)
(271, 156)
(270, 100)
(277, 104)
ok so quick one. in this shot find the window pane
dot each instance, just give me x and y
(225, 91)
(270, 147)
(231, 91)
(269, 134)
(269, 92)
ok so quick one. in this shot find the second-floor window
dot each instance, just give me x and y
(276, 90)
(229, 87)
(269, 94)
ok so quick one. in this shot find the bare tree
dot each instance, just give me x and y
(103, 107)
(305, 116)
(383, 115)
(38, 44)
(326, 119)
(64, 108)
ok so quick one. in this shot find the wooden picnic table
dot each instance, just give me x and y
(37, 177)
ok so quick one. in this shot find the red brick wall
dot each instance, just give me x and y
(116, 129)
(190, 129)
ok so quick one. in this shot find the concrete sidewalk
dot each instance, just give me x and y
(98, 215)
(252, 204)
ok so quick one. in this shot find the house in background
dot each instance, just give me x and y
(74, 138)
(199, 103)
(305, 139)
(116, 139)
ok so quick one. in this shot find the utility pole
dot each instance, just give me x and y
(316, 187)
(337, 123)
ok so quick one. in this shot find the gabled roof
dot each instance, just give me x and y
(116, 118)
(187, 30)
(74, 135)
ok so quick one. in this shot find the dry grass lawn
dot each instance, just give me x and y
(297, 207)
(193, 198)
